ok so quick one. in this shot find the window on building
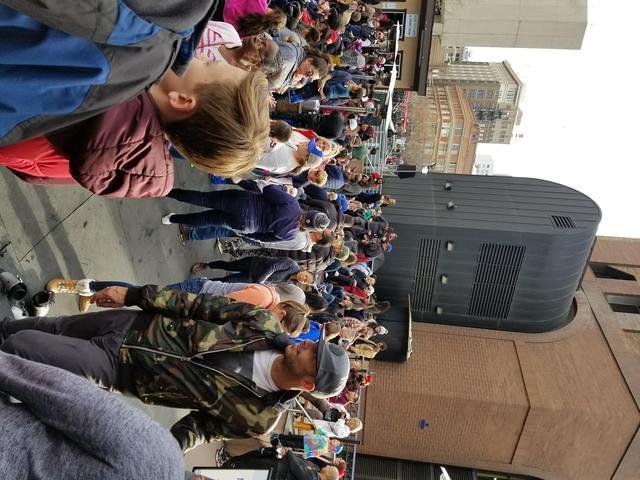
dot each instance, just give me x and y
(624, 303)
(603, 270)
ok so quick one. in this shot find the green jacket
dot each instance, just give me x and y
(167, 363)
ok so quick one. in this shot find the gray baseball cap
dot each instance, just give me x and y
(333, 369)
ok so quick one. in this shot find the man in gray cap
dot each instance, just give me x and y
(229, 362)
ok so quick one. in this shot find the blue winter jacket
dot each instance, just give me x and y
(63, 61)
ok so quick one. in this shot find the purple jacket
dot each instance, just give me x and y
(279, 214)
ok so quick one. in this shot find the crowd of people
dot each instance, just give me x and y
(255, 94)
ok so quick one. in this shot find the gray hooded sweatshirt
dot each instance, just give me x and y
(67, 428)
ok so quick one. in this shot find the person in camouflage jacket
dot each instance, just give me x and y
(161, 356)
(167, 363)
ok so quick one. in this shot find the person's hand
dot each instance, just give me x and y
(198, 267)
(111, 297)
(291, 190)
(332, 195)
(272, 101)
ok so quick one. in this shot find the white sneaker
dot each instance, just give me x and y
(41, 302)
(166, 220)
(41, 311)
(84, 287)
(18, 312)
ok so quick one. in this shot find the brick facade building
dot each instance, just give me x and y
(442, 129)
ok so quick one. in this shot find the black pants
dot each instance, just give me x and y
(295, 442)
(232, 209)
(86, 344)
(242, 266)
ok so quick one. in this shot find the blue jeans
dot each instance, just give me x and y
(231, 209)
(192, 285)
(205, 233)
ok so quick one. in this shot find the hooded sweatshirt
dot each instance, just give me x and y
(65, 427)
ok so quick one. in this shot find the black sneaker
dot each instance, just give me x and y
(41, 302)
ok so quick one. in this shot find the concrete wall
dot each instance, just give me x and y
(514, 23)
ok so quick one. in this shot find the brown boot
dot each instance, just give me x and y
(84, 302)
(62, 285)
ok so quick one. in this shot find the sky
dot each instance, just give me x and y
(581, 115)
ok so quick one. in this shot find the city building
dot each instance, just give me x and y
(457, 54)
(483, 165)
(494, 91)
(514, 340)
(511, 23)
(450, 26)
(416, 19)
(441, 131)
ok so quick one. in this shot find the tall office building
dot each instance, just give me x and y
(494, 92)
(512, 23)
(514, 335)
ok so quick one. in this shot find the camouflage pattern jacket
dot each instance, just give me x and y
(168, 363)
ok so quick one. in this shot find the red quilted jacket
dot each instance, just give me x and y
(121, 152)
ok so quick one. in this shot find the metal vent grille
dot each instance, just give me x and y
(426, 268)
(496, 278)
(560, 221)
(376, 468)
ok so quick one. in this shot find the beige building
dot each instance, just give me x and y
(512, 23)
(494, 92)
(456, 24)
(441, 129)
(416, 17)
(561, 405)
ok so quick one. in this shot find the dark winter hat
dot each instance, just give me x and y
(314, 220)
(334, 19)
(329, 126)
(333, 369)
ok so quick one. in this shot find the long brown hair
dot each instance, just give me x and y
(295, 317)
(256, 23)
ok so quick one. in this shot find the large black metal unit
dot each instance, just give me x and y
(494, 252)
